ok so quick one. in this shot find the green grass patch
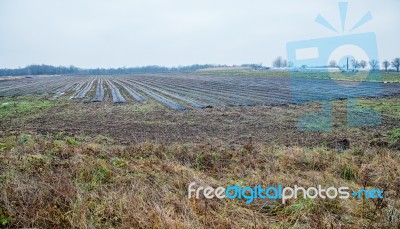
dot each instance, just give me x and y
(119, 163)
(3, 219)
(347, 172)
(388, 106)
(71, 141)
(25, 105)
(395, 134)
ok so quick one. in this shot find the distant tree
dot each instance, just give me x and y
(284, 63)
(396, 63)
(374, 64)
(386, 65)
(363, 63)
(332, 64)
(355, 63)
(277, 62)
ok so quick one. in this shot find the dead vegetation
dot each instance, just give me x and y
(56, 171)
(61, 181)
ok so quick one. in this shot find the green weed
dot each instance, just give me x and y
(395, 134)
(3, 219)
(24, 107)
(71, 141)
(347, 172)
(118, 162)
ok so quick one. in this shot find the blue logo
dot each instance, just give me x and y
(343, 52)
(249, 194)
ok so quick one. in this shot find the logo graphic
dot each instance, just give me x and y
(344, 52)
(249, 194)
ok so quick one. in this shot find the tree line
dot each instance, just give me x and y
(60, 70)
(374, 64)
(279, 62)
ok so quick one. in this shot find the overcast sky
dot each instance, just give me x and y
(105, 33)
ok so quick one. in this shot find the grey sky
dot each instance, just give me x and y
(105, 33)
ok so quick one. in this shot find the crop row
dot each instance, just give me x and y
(181, 92)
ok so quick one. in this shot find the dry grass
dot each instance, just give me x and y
(80, 182)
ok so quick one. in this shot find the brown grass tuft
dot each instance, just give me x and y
(46, 182)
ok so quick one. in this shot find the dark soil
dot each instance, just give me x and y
(133, 123)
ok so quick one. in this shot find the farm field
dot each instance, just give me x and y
(199, 114)
(189, 91)
(119, 151)
(187, 108)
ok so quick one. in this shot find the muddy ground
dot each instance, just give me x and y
(133, 123)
